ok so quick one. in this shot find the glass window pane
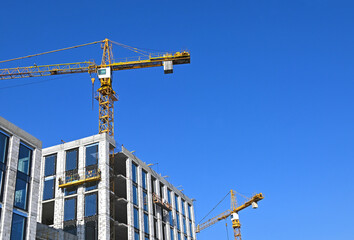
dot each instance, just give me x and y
(135, 195)
(48, 191)
(189, 212)
(91, 155)
(134, 173)
(21, 194)
(178, 225)
(176, 202)
(183, 212)
(71, 160)
(1, 177)
(71, 229)
(146, 202)
(136, 218)
(4, 141)
(146, 223)
(18, 229)
(91, 232)
(172, 236)
(90, 205)
(91, 186)
(50, 165)
(144, 175)
(136, 236)
(169, 196)
(184, 226)
(70, 190)
(70, 209)
(24, 159)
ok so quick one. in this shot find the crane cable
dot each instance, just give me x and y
(227, 233)
(214, 207)
(58, 50)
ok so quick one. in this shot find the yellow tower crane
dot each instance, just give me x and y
(233, 212)
(106, 95)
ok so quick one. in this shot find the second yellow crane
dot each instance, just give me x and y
(233, 212)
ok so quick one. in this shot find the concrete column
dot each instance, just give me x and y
(34, 194)
(59, 193)
(103, 192)
(80, 196)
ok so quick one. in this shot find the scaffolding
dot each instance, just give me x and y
(75, 179)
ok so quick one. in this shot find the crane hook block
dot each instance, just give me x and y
(254, 205)
(168, 67)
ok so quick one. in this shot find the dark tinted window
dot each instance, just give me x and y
(4, 141)
(70, 209)
(136, 218)
(21, 194)
(48, 190)
(18, 228)
(71, 160)
(91, 232)
(24, 159)
(134, 169)
(90, 204)
(91, 155)
(49, 169)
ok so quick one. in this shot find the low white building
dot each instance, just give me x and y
(94, 193)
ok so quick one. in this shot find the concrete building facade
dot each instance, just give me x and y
(20, 155)
(91, 192)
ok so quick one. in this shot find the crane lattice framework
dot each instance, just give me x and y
(233, 212)
(106, 95)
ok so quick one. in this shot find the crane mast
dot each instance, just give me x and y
(233, 212)
(106, 95)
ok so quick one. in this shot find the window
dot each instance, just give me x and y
(92, 155)
(24, 160)
(90, 204)
(190, 228)
(153, 184)
(171, 231)
(135, 195)
(176, 202)
(21, 191)
(50, 163)
(4, 141)
(146, 201)
(90, 186)
(134, 171)
(69, 209)
(169, 195)
(183, 211)
(178, 225)
(171, 218)
(48, 213)
(184, 226)
(23, 177)
(91, 230)
(179, 236)
(144, 179)
(189, 212)
(71, 159)
(136, 218)
(18, 228)
(155, 227)
(70, 229)
(136, 236)
(70, 190)
(49, 189)
(161, 190)
(146, 223)
(163, 231)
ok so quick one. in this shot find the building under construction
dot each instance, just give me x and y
(94, 192)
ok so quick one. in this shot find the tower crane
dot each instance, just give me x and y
(106, 95)
(233, 212)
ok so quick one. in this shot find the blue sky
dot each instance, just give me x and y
(264, 106)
